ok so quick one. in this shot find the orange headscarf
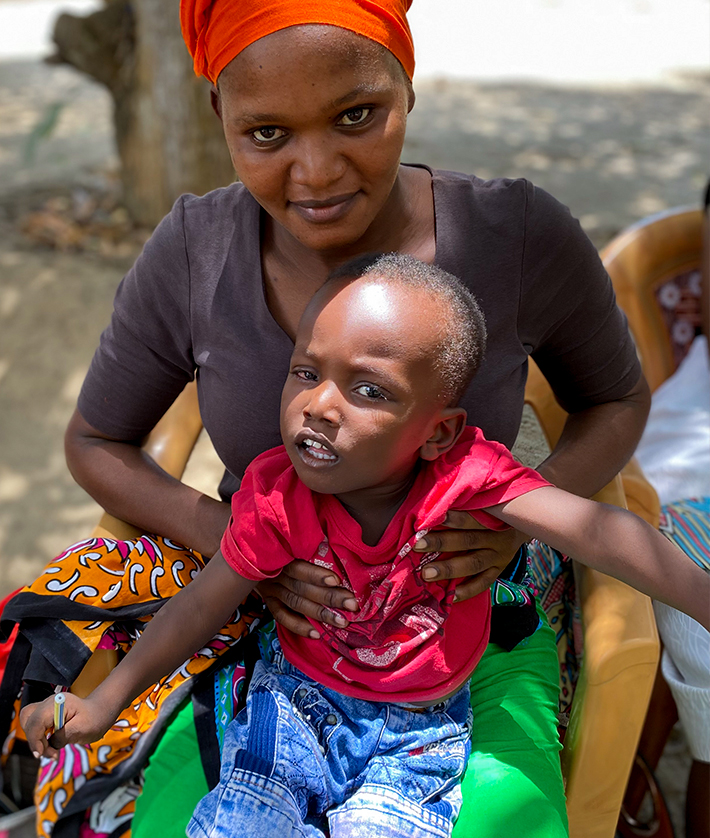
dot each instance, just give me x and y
(215, 31)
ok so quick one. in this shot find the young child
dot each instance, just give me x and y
(366, 727)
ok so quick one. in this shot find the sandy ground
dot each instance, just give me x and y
(612, 154)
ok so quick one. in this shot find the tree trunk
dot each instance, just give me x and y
(168, 137)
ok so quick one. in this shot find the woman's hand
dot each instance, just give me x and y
(86, 721)
(483, 554)
(305, 590)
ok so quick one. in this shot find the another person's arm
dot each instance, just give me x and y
(168, 640)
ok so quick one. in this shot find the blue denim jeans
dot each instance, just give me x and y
(303, 761)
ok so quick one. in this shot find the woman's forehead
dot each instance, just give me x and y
(309, 49)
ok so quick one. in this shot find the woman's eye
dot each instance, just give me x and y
(370, 392)
(355, 116)
(268, 134)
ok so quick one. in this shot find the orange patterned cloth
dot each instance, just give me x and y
(216, 31)
(99, 594)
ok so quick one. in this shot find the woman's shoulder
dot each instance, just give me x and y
(230, 205)
(500, 195)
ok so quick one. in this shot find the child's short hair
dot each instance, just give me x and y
(461, 350)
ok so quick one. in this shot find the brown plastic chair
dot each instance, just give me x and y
(640, 262)
(621, 652)
(643, 262)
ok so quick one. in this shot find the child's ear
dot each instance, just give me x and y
(448, 429)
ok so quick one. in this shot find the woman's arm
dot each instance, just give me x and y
(182, 626)
(130, 485)
(596, 443)
(615, 542)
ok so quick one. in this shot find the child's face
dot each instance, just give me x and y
(362, 395)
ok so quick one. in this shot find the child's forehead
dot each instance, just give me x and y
(390, 318)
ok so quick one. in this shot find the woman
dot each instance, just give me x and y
(314, 100)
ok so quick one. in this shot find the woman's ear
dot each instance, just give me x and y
(216, 101)
(411, 97)
(448, 429)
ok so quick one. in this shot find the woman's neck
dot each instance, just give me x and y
(405, 223)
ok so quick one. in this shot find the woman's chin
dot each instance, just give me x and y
(342, 233)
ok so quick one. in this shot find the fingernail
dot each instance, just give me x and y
(314, 634)
(430, 573)
(456, 598)
(35, 754)
(331, 581)
(340, 620)
(350, 604)
(422, 544)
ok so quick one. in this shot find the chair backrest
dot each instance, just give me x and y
(655, 269)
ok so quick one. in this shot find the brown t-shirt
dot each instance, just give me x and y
(193, 303)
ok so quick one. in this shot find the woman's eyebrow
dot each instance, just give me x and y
(364, 89)
(256, 119)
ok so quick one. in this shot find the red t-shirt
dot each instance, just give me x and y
(408, 641)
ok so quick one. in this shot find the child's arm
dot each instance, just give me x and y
(615, 542)
(182, 626)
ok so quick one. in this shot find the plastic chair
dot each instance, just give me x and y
(651, 265)
(621, 652)
(656, 267)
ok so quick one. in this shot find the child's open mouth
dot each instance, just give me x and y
(313, 452)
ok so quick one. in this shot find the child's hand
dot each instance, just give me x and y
(85, 721)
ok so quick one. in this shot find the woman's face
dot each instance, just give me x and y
(314, 117)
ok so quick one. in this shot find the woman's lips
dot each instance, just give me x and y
(323, 212)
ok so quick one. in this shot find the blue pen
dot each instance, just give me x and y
(59, 700)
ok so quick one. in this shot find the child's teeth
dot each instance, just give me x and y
(318, 450)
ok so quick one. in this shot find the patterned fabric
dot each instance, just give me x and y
(553, 577)
(686, 644)
(99, 594)
(687, 524)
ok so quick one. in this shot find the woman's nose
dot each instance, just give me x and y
(317, 165)
(323, 405)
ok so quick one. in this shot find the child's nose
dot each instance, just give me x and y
(323, 404)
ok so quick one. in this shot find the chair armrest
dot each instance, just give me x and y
(621, 652)
(170, 444)
(641, 497)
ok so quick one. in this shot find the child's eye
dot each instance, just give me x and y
(355, 116)
(305, 375)
(370, 392)
(268, 134)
